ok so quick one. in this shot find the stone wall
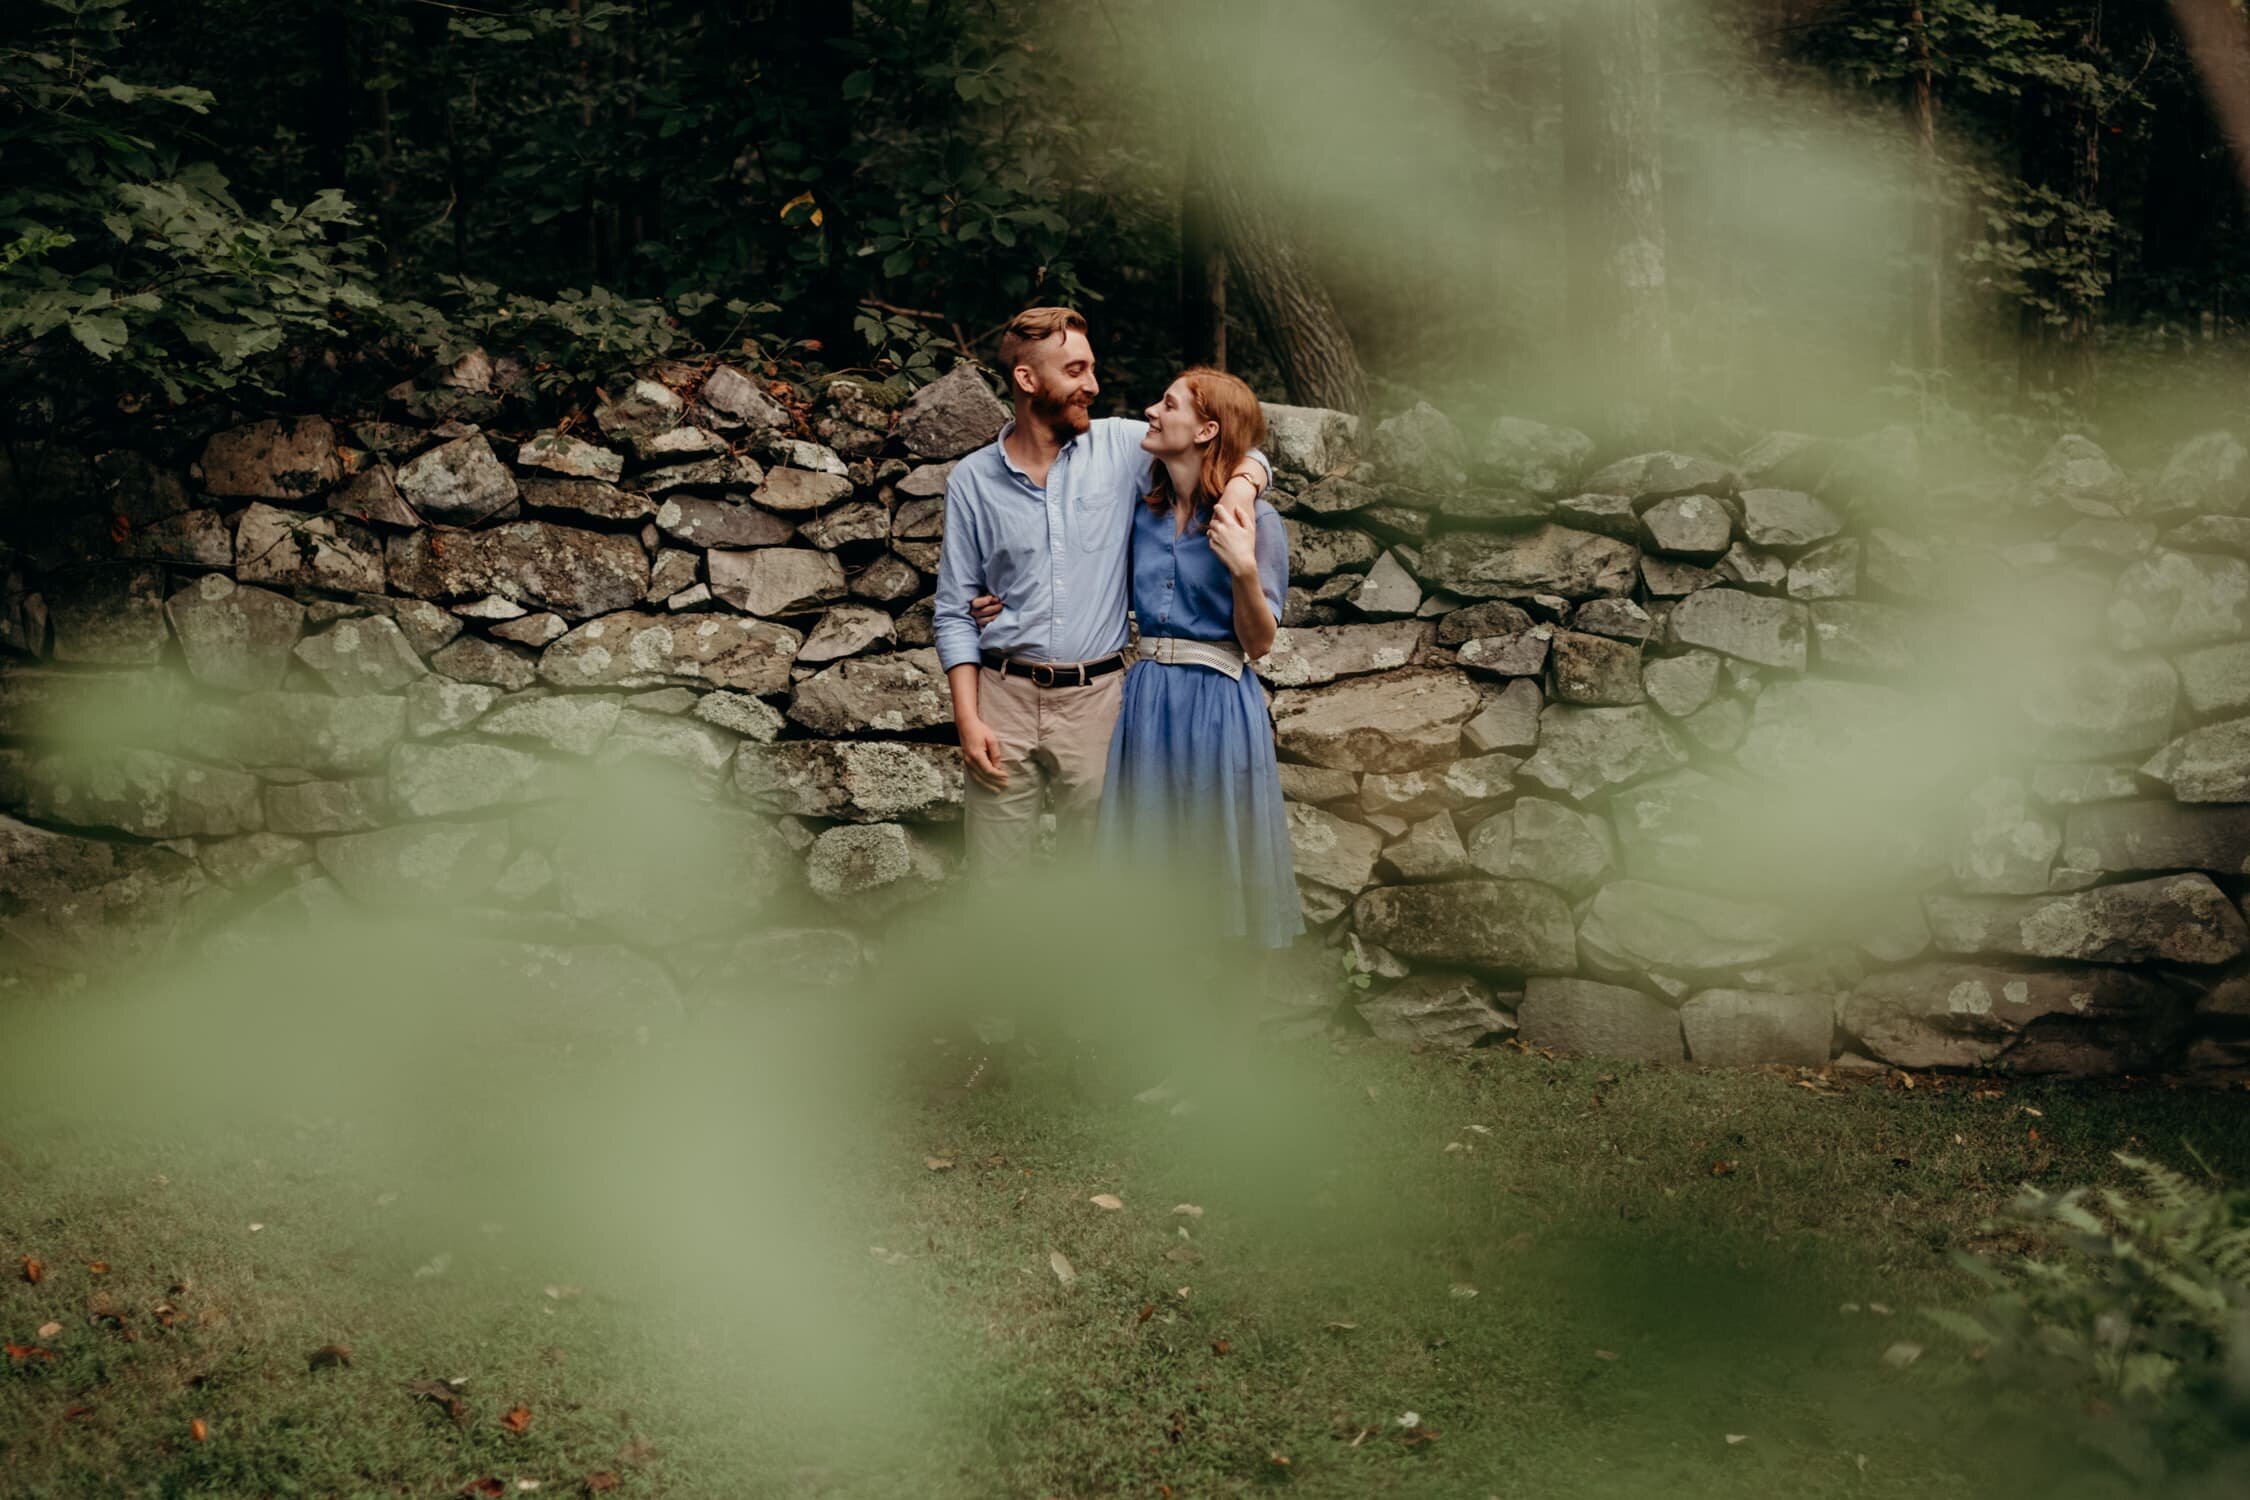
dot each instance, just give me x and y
(1522, 693)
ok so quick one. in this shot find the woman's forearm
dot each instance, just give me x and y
(1254, 624)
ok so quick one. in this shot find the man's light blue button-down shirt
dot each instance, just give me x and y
(1056, 556)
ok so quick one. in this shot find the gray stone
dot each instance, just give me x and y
(1311, 655)
(1957, 1015)
(532, 630)
(1585, 1018)
(2098, 705)
(1696, 527)
(429, 781)
(1854, 636)
(1531, 456)
(1611, 515)
(694, 596)
(300, 731)
(645, 409)
(291, 460)
(793, 490)
(1735, 1028)
(669, 871)
(1665, 578)
(1315, 552)
(1679, 826)
(1399, 721)
(674, 572)
(1510, 721)
(1619, 619)
(1594, 669)
(1430, 850)
(1549, 559)
(2000, 845)
(2176, 919)
(429, 866)
(77, 904)
(737, 713)
(1409, 795)
(2210, 764)
(490, 607)
(678, 700)
(1317, 784)
(1756, 571)
(2123, 540)
(459, 483)
(1388, 591)
(720, 523)
(901, 691)
(2121, 837)
(927, 481)
(873, 868)
(196, 538)
(1659, 476)
(1435, 1010)
(859, 781)
(2216, 679)
(1812, 726)
(1546, 841)
(775, 580)
(1769, 632)
(1583, 751)
(2072, 785)
(1330, 851)
(846, 630)
(232, 637)
(1786, 518)
(2228, 534)
(951, 416)
(738, 401)
(1898, 564)
(783, 961)
(320, 552)
(439, 705)
(1309, 440)
(919, 520)
(493, 663)
(560, 453)
(537, 564)
(849, 524)
(1513, 925)
(668, 743)
(636, 649)
(595, 498)
(428, 628)
(1719, 726)
(142, 792)
(108, 615)
(2209, 473)
(251, 859)
(2180, 599)
(1520, 655)
(2076, 473)
(1679, 685)
(1828, 571)
(572, 723)
(355, 656)
(327, 806)
(1420, 449)
(1638, 925)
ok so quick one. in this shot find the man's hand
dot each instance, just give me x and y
(980, 750)
(985, 608)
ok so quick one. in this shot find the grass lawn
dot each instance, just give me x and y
(1584, 1280)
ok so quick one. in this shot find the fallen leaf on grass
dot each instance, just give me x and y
(198, 1431)
(1106, 1200)
(638, 1451)
(529, 1484)
(97, 1268)
(1186, 1255)
(444, 1394)
(1065, 1272)
(1902, 1354)
(24, 1353)
(1220, 1347)
(1148, 1311)
(1461, 1289)
(518, 1419)
(256, 1227)
(887, 1257)
(49, 1330)
(329, 1357)
(1737, 1437)
(32, 1270)
(477, 1489)
(1188, 1210)
(562, 1293)
(1605, 1354)
(436, 1265)
(1722, 1169)
(1341, 1327)
(1278, 1460)
(600, 1482)
(938, 1163)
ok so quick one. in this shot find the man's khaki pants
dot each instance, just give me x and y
(1053, 739)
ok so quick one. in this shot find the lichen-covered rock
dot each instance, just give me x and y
(1786, 518)
(460, 483)
(1852, 635)
(736, 713)
(108, 615)
(1810, 727)
(291, 460)
(1309, 656)
(2002, 846)
(432, 780)
(1509, 721)
(1521, 655)
(773, 581)
(297, 731)
(846, 630)
(1679, 685)
(859, 781)
(195, 538)
(1586, 1018)
(233, 637)
(672, 872)
(2208, 473)
(1828, 571)
(577, 574)
(324, 551)
(699, 522)
(1487, 924)
(1395, 722)
(1594, 669)
(492, 663)
(1735, 1028)
(2210, 764)
(2216, 679)
(1960, 1015)
(593, 498)
(368, 654)
(560, 453)
(1330, 851)
(315, 807)
(901, 691)
(2091, 704)
(670, 745)
(1430, 850)
(634, 649)
(1531, 456)
(2176, 919)
(1695, 527)
(1659, 476)
(2180, 599)
(142, 792)
(1583, 751)
(1637, 925)
(873, 868)
(1750, 627)
(1316, 552)
(1419, 449)
(2076, 473)
(74, 904)
(1309, 440)
(430, 866)
(2129, 837)
(645, 409)
(952, 415)
(1436, 1010)
(1545, 841)
(1387, 591)
(571, 723)
(1548, 559)
(738, 401)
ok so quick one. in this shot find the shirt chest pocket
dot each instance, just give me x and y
(1100, 519)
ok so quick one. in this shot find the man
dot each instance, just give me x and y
(1042, 517)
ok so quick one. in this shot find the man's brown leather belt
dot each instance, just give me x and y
(1057, 673)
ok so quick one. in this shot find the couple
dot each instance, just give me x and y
(1049, 531)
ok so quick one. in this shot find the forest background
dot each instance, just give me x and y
(1691, 222)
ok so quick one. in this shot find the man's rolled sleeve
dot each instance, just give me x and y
(960, 577)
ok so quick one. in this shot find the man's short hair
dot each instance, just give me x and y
(1034, 325)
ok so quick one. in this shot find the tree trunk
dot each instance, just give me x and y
(587, 230)
(1296, 321)
(1926, 273)
(1616, 305)
(1203, 268)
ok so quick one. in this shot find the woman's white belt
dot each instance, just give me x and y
(1173, 650)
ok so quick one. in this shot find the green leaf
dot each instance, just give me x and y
(898, 262)
(102, 334)
(120, 226)
(859, 85)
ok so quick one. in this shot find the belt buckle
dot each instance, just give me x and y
(1043, 667)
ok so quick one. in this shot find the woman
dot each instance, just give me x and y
(1192, 782)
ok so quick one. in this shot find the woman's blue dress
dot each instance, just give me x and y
(1192, 784)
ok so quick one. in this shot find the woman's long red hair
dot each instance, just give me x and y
(1221, 398)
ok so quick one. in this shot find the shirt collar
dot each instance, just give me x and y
(1001, 442)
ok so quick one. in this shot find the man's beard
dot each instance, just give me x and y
(1065, 418)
